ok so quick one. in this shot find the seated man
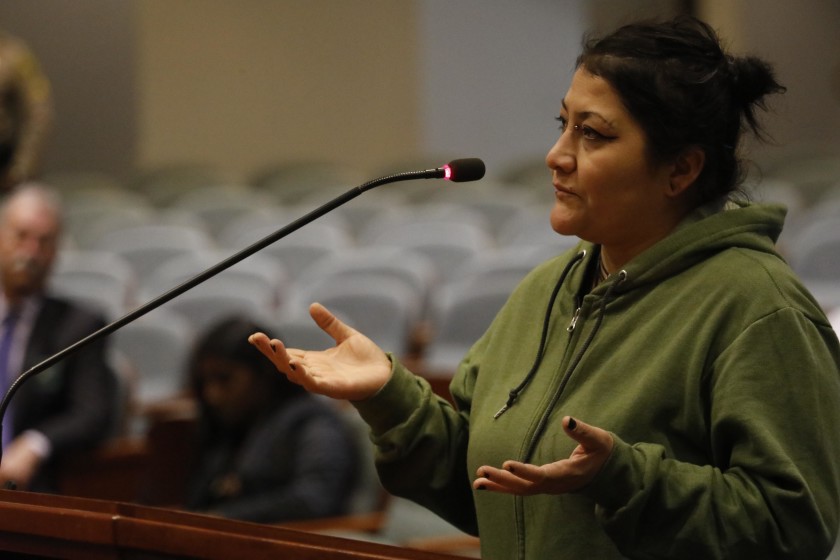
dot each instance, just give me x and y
(71, 405)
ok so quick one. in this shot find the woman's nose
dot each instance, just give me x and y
(561, 157)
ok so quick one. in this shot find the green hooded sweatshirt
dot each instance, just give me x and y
(712, 366)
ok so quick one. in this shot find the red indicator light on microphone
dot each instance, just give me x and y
(447, 172)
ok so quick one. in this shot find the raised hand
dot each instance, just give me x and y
(354, 369)
(567, 475)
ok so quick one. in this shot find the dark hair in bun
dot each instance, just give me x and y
(677, 81)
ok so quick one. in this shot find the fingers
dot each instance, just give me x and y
(329, 323)
(558, 477)
(514, 478)
(258, 339)
(264, 345)
(275, 351)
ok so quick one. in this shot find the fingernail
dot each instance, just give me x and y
(481, 487)
(572, 423)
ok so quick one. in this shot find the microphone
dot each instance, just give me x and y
(463, 170)
(458, 170)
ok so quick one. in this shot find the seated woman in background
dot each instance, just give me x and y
(267, 450)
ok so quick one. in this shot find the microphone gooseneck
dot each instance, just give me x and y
(459, 170)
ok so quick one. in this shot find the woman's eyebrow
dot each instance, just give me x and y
(587, 114)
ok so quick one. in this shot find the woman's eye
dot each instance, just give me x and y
(590, 133)
(586, 131)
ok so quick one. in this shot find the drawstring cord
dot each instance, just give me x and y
(514, 393)
(622, 276)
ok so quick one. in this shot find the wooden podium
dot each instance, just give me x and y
(50, 526)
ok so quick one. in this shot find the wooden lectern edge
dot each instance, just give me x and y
(88, 526)
(39, 522)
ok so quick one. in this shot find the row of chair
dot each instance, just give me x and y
(447, 234)
(406, 295)
(227, 220)
(798, 179)
(447, 258)
(389, 293)
(289, 182)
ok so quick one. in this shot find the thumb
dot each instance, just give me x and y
(329, 323)
(582, 433)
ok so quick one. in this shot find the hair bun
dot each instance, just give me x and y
(752, 79)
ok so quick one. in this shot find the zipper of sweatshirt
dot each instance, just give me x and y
(620, 278)
(537, 433)
(575, 317)
(518, 506)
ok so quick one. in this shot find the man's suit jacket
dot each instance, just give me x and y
(73, 403)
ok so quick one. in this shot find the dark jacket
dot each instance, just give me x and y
(73, 403)
(299, 462)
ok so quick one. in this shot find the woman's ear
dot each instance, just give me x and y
(687, 167)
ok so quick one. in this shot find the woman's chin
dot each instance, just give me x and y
(561, 223)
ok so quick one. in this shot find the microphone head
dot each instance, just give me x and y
(462, 170)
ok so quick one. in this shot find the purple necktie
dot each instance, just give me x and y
(6, 376)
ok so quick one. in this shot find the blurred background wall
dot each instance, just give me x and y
(247, 83)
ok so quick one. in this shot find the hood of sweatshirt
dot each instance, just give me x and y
(704, 232)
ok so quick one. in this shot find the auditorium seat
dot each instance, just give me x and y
(815, 256)
(101, 279)
(531, 227)
(508, 265)
(289, 182)
(157, 345)
(163, 183)
(217, 206)
(384, 308)
(447, 244)
(295, 252)
(463, 311)
(412, 269)
(147, 246)
(257, 277)
(86, 223)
